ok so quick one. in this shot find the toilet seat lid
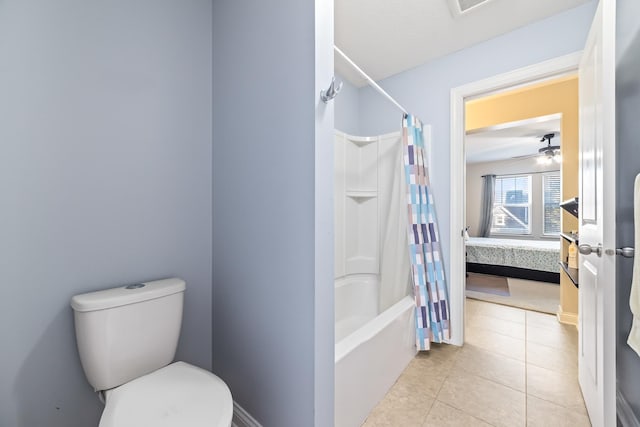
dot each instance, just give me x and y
(176, 395)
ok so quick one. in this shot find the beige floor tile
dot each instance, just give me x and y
(496, 310)
(399, 408)
(560, 360)
(492, 366)
(501, 326)
(561, 337)
(556, 387)
(439, 353)
(542, 320)
(471, 303)
(495, 342)
(424, 376)
(486, 400)
(541, 413)
(443, 415)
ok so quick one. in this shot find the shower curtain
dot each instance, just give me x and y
(429, 285)
(395, 269)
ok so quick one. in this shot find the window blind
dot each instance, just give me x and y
(551, 202)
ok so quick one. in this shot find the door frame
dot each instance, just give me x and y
(547, 70)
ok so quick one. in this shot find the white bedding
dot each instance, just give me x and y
(542, 255)
(548, 245)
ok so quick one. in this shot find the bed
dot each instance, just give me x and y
(522, 259)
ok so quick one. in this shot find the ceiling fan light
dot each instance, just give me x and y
(549, 153)
(544, 160)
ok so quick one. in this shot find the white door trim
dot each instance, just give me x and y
(546, 70)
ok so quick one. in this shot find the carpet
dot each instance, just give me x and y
(496, 285)
(527, 294)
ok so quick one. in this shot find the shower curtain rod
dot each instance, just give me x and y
(369, 80)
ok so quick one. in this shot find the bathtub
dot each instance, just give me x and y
(372, 349)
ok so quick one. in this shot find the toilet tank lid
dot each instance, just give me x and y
(127, 294)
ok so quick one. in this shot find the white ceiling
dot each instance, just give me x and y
(511, 139)
(386, 37)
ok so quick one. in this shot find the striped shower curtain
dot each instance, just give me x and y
(429, 285)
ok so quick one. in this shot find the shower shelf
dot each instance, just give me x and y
(361, 141)
(362, 194)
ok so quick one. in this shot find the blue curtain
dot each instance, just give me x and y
(486, 210)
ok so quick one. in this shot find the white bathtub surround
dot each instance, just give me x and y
(370, 213)
(356, 303)
(375, 324)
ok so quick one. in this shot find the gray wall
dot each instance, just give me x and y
(264, 216)
(347, 108)
(510, 166)
(105, 179)
(628, 166)
(425, 90)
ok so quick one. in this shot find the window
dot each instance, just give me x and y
(551, 203)
(512, 205)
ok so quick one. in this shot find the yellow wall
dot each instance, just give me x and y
(556, 96)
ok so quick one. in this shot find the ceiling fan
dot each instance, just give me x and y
(550, 153)
(546, 155)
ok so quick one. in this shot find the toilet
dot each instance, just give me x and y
(127, 339)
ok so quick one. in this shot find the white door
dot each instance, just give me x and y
(596, 311)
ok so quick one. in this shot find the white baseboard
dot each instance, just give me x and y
(242, 418)
(625, 414)
(567, 318)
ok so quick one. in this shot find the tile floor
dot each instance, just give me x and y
(517, 368)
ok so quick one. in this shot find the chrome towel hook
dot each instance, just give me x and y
(331, 92)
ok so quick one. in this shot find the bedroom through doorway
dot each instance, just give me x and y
(521, 153)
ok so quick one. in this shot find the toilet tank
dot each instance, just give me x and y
(126, 332)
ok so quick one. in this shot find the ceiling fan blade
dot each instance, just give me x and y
(526, 156)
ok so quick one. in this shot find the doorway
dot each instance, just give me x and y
(512, 202)
(539, 73)
(534, 168)
(535, 346)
